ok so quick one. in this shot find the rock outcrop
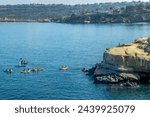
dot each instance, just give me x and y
(125, 65)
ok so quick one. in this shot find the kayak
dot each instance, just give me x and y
(63, 68)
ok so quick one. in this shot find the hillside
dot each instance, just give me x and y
(128, 14)
(85, 13)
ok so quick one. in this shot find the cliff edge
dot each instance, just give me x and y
(124, 65)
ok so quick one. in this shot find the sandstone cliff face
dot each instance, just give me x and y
(130, 56)
(148, 46)
(125, 64)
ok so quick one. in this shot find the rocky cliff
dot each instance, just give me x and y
(124, 65)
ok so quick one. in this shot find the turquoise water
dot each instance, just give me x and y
(50, 45)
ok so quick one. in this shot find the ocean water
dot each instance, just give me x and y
(50, 45)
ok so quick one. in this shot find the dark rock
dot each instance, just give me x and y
(129, 84)
(89, 71)
(108, 79)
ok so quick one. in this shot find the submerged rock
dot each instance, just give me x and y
(125, 65)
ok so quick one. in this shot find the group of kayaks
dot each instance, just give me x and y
(31, 70)
(24, 63)
(8, 70)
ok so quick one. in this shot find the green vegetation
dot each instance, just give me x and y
(123, 12)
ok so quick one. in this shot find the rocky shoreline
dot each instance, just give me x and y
(124, 65)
